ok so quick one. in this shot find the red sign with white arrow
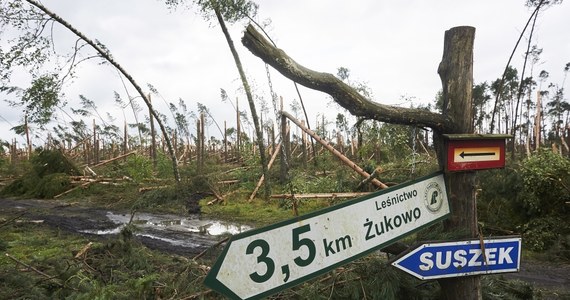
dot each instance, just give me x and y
(475, 154)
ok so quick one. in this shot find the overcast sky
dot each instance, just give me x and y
(394, 47)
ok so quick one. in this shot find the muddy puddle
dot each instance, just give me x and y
(181, 234)
(189, 231)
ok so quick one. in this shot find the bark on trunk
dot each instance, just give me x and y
(258, 131)
(456, 72)
(342, 93)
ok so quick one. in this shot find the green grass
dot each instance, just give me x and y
(119, 268)
(258, 212)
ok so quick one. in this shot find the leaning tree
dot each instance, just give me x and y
(16, 14)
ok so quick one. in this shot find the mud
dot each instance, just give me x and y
(184, 235)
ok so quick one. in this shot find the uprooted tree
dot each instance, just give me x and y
(456, 72)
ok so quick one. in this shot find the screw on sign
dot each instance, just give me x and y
(261, 262)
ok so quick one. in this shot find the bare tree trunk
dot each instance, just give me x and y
(258, 131)
(153, 149)
(202, 141)
(125, 139)
(107, 56)
(95, 150)
(28, 140)
(500, 89)
(225, 142)
(456, 72)
(199, 146)
(238, 125)
(537, 120)
(521, 83)
(285, 158)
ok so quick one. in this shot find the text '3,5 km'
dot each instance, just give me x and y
(261, 262)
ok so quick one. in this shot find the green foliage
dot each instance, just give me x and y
(47, 176)
(52, 185)
(231, 10)
(499, 288)
(541, 233)
(499, 200)
(138, 167)
(119, 268)
(172, 196)
(396, 140)
(530, 200)
(52, 161)
(41, 99)
(546, 178)
(28, 50)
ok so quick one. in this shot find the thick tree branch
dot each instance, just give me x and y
(342, 93)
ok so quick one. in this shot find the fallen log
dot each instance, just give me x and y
(73, 189)
(262, 178)
(114, 159)
(318, 195)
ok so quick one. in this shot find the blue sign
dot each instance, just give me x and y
(463, 258)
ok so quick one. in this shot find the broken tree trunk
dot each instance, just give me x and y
(113, 159)
(335, 152)
(456, 72)
(319, 195)
(342, 93)
(262, 178)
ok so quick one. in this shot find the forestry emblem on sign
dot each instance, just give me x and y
(433, 197)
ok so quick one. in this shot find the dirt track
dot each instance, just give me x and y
(86, 220)
(94, 221)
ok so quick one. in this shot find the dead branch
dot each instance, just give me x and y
(228, 181)
(213, 246)
(90, 171)
(51, 278)
(369, 178)
(262, 178)
(13, 219)
(318, 195)
(84, 250)
(74, 188)
(114, 159)
(219, 198)
(151, 188)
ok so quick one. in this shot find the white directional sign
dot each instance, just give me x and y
(261, 262)
(462, 258)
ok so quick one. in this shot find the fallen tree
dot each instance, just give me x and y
(342, 93)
